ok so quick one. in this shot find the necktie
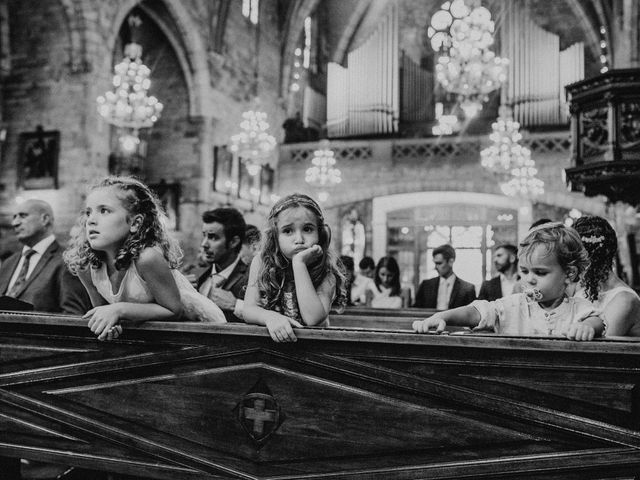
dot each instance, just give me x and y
(217, 280)
(214, 281)
(22, 276)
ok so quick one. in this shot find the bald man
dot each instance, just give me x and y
(44, 281)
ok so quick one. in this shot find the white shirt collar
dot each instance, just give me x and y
(42, 245)
(227, 271)
(449, 280)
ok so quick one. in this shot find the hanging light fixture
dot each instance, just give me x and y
(128, 106)
(523, 181)
(323, 174)
(467, 66)
(509, 160)
(505, 152)
(253, 144)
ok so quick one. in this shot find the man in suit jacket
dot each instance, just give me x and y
(225, 280)
(48, 285)
(446, 290)
(505, 259)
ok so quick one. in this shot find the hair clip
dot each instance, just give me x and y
(592, 239)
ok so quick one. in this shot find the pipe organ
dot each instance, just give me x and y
(538, 70)
(416, 92)
(314, 109)
(363, 98)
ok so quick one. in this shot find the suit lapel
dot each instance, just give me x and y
(236, 275)
(454, 292)
(44, 260)
(203, 276)
(8, 267)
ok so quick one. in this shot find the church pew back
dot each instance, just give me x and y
(187, 401)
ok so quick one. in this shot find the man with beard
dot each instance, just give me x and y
(225, 280)
(505, 259)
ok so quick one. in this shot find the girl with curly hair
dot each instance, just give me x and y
(296, 278)
(126, 260)
(551, 260)
(618, 303)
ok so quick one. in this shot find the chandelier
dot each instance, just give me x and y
(253, 144)
(523, 182)
(467, 66)
(509, 160)
(323, 174)
(128, 105)
(505, 151)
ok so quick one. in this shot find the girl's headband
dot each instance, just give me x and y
(297, 199)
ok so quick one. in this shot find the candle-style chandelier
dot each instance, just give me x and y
(128, 106)
(505, 152)
(523, 181)
(466, 67)
(253, 144)
(322, 174)
(509, 160)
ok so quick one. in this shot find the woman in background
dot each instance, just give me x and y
(618, 304)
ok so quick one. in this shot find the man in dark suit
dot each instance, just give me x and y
(446, 290)
(505, 259)
(225, 281)
(37, 274)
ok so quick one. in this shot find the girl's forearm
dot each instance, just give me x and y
(466, 316)
(257, 315)
(596, 323)
(311, 308)
(140, 312)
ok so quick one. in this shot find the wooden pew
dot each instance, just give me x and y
(385, 312)
(192, 401)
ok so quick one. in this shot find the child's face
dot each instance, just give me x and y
(541, 270)
(385, 276)
(107, 224)
(297, 230)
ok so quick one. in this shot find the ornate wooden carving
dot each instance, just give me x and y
(165, 401)
(605, 125)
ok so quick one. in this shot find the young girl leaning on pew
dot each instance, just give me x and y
(551, 259)
(295, 279)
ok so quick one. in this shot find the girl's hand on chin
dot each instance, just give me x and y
(309, 255)
(103, 321)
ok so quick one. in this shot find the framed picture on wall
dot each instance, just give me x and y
(38, 159)
(169, 195)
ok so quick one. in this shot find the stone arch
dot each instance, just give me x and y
(188, 46)
(77, 26)
(295, 21)
(586, 21)
(389, 203)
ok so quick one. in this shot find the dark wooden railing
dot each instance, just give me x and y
(191, 401)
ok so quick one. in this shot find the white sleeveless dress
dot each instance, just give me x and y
(605, 298)
(197, 307)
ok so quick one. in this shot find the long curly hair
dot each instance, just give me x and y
(137, 199)
(556, 238)
(392, 266)
(600, 240)
(276, 268)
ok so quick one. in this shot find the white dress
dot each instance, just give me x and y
(604, 298)
(382, 297)
(197, 307)
(517, 315)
